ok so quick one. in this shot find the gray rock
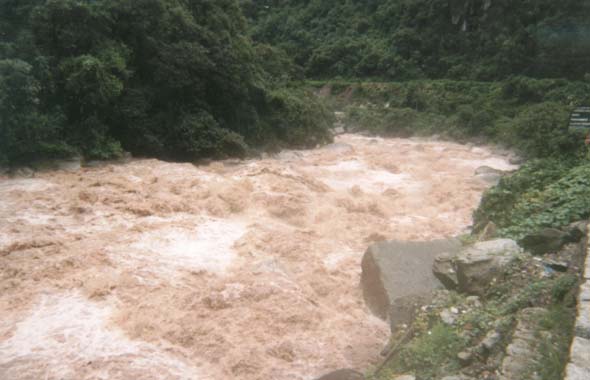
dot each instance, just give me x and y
(474, 267)
(392, 270)
(448, 317)
(578, 227)
(339, 148)
(478, 265)
(338, 130)
(69, 165)
(405, 377)
(515, 160)
(487, 170)
(473, 301)
(549, 240)
(24, 172)
(465, 358)
(560, 266)
(489, 175)
(289, 155)
(456, 377)
(404, 309)
(491, 340)
(343, 374)
(443, 269)
(94, 164)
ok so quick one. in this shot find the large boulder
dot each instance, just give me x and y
(473, 268)
(550, 240)
(398, 275)
(489, 175)
(343, 374)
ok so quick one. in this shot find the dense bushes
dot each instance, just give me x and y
(170, 78)
(553, 195)
(412, 39)
(502, 112)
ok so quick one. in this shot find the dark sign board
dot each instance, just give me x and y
(580, 119)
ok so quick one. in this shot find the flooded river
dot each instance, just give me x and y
(242, 270)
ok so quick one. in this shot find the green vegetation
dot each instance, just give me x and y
(166, 78)
(182, 80)
(559, 322)
(549, 192)
(501, 112)
(555, 205)
(430, 355)
(412, 39)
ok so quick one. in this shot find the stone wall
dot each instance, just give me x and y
(579, 365)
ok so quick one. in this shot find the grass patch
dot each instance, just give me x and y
(559, 322)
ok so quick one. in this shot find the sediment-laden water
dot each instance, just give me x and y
(236, 270)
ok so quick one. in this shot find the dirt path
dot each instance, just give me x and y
(236, 270)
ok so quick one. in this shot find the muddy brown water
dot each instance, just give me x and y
(245, 270)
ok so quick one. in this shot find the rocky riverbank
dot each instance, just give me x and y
(505, 314)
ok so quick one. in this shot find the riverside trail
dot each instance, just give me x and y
(242, 270)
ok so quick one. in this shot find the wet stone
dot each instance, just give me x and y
(391, 270)
(343, 374)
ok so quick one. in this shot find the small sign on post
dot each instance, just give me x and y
(580, 120)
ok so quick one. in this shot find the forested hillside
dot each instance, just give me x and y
(411, 39)
(167, 78)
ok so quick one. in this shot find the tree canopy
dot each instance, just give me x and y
(411, 39)
(169, 78)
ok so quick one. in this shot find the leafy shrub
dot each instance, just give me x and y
(562, 286)
(541, 130)
(295, 117)
(557, 205)
(498, 203)
(25, 132)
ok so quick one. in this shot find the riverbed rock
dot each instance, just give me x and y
(339, 148)
(23, 172)
(550, 240)
(343, 374)
(491, 340)
(448, 316)
(405, 377)
(465, 358)
(456, 377)
(473, 268)
(69, 165)
(489, 175)
(444, 270)
(394, 270)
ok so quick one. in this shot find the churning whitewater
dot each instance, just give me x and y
(242, 270)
